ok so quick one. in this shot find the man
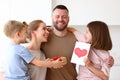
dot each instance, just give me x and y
(61, 42)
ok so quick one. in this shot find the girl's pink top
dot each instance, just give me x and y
(99, 59)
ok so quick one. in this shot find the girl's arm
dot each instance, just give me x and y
(71, 29)
(96, 71)
(79, 36)
(49, 63)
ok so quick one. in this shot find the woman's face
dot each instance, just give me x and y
(88, 36)
(42, 33)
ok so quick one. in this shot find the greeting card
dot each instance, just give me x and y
(80, 51)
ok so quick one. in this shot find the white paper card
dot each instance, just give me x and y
(80, 51)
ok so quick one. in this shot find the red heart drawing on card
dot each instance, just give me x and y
(80, 52)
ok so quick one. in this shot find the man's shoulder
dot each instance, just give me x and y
(71, 34)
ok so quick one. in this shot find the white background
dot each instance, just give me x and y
(23, 10)
(84, 11)
(81, 12)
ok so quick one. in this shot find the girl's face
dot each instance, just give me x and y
(41, 33)
(88, 36)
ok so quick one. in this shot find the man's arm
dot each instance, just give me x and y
(111, 61)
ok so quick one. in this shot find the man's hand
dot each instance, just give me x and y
(49, 29)
(111, 61)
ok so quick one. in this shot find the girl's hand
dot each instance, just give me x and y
(87, 62)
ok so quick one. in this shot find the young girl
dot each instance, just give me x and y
(97, 67)
(17, 57)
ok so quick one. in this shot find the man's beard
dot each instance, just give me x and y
(60, 29)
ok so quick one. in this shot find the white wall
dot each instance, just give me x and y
(23, 10)
(26, 10)
(84, 11)
(81, 12)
